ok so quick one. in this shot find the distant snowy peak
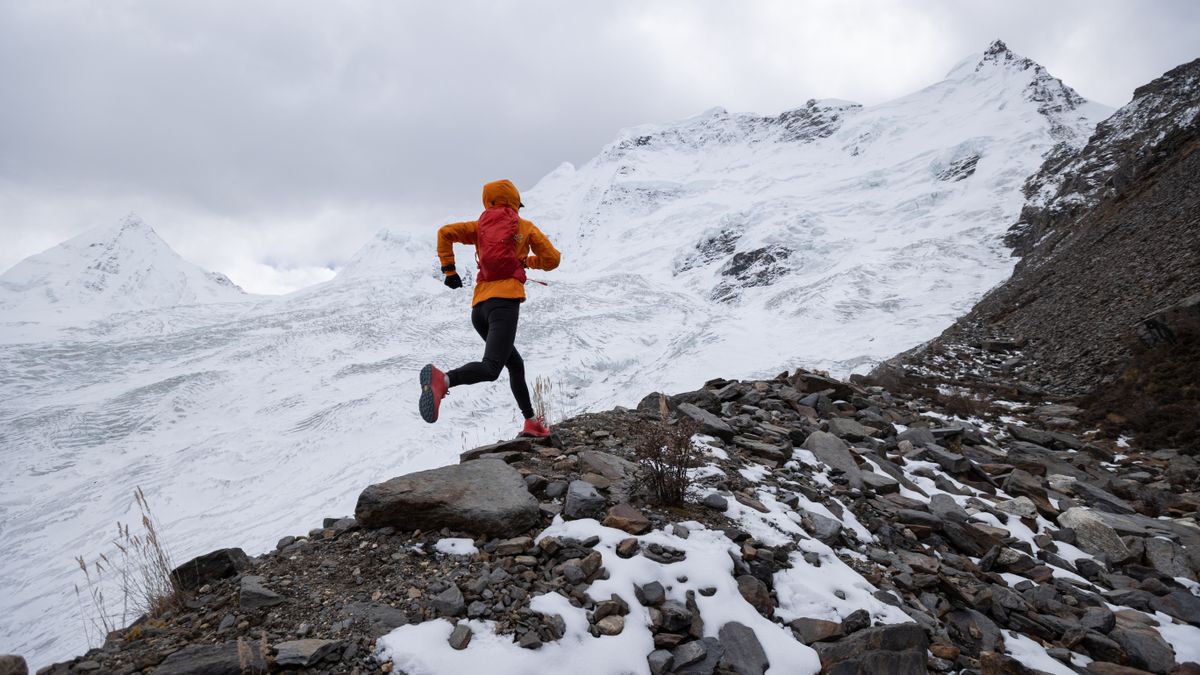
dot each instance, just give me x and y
(716, 126)
(393, 253)
(123, 266)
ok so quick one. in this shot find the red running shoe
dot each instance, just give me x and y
(535, 427)
(433, 390)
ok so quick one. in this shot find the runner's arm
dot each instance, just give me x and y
(448, 236)
(545, 256)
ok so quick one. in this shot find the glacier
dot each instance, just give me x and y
(738, 245)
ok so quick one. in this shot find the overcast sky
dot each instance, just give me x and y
(269, 140)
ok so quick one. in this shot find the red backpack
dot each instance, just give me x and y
(495, 245)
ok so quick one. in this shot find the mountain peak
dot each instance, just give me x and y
(121, 266)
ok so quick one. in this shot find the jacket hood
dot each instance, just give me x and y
(501, 193)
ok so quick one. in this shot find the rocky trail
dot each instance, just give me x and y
(829, 526)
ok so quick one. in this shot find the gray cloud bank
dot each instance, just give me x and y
(268, 140)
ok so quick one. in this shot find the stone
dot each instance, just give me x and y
(1180, 604)
(530, 640)
(1144, 648)
(974, 632)
(651, 594)
(605, 464)
(1093, 534)
(221, 659)
(1099, 619)
(518, 445)
(676, 617)
(908, 662)
(661, 661)
(900, 637)
(713, 652)
(583, 501)
(744, 654)
(949, 461)
(945, 508)
(755, 592)
(1108, 668)
(689, 652)
(625, 517)
(970, 538)
(884, 485)
(843, 427)
(611, 625)
(220, 564)
(628, 547)
(254, 595)
(822, 528)
(856, 621)
(709, 423)
(1168, 558)
(768, 451)
(917, 436)
(809, 630)
(514, 546)
(304, 653)
(380, 619)
(716, 502)
(1021, 507)
(460, 637)
(449, 603)
(11, 664)
(485, 496)
(834, 452)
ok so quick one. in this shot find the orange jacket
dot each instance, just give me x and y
(532, 246)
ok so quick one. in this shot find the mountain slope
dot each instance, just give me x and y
(885, 220)
(121, 267)
(1117, 242)
(738, 245)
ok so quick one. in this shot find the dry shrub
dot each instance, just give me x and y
(964, 405)
(1156, 399)
(665, 453)
(137, 575)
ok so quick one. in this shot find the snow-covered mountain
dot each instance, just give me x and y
(125, 266)
(738, 245)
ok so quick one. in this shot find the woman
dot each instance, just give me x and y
(505, 246)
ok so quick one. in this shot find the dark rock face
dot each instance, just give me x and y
(744, 654)
(884, 649)
(218, 564)
(222, 659)
(483, 496)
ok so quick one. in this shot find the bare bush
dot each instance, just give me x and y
(665, 453)
(137, 576)
(543, 393)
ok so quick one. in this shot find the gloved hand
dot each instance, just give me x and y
(453, 280)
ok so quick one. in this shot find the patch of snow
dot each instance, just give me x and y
(456, 546)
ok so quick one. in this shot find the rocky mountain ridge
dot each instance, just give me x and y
(829, 526)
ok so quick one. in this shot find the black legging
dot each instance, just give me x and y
(496, 322)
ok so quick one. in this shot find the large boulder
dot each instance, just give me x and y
(220, 659)
(1093, 534)
(709, 423)
(834, 452)
(894, 648)
(485, 496)
(219, 564)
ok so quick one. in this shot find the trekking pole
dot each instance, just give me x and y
(537, 282)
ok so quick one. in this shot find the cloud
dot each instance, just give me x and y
(281, 135)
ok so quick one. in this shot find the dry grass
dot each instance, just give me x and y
(664, 454)
(137, 577)
(543, 394)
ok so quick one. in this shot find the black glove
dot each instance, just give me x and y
(453, 280)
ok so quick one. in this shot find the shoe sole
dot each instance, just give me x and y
(427, 404)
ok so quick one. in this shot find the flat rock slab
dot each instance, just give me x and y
(515, 445)
(222, 659)
(709, 423)
(606, 464)
(484, 496)
(304, 653)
